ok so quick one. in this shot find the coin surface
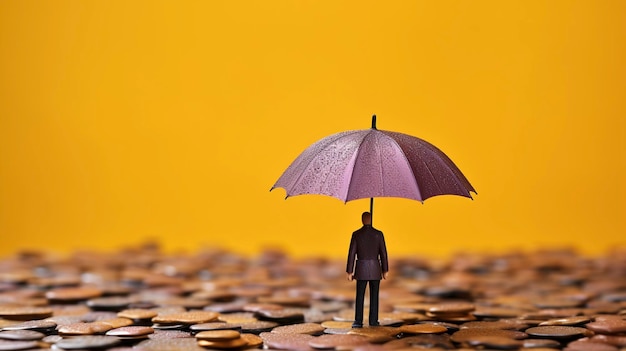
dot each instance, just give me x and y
(24, 313)
(191, 317)
(218, 335)
(557, 332)
(87, 342)
(300, 328)
(21, 335)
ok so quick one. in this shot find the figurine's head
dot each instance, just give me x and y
(366, 218)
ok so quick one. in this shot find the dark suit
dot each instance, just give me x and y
(369, 253)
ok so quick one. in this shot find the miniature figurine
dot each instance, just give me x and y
(369, 253)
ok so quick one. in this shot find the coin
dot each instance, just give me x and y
(87, 342)
(422, 329)
(300, 328)
(214, 326)
(557, 332)
(172, 344)
(137, 314)
(10, 345)
(191, 317)
(37, 325)
(218, 335)
(73, 294)
(21, 335)
(607, 325)
(252, 340)
(495, 342)
(337, 341)
(130, 331)
(24, 313)
(223, 344)
(84, 328)
(465, 335)
(295, 342)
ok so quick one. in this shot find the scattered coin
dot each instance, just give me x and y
(336, 325)
(466, 335)
(169, 334)
(295, 342)
(84, 328)
(10, 345)
(87, 342)
(588, 345)
(169, 344)
(376, 335)
(337, 341)
(258, 327)
(422, 329)
(24, 313)
(111, 303)
(301, 328)
(252, 340)
(495, 342)
(73, 294)
(424, 341)
(137, 314)
(147, 300)
(191, 317)
(557, 332)
(117, 322)
(540, 343)
(613, 325)
(130, 331)
(569, 321)
(218, 335)
(215, 326)
(451, 308)
(223, 344)
(21, 335)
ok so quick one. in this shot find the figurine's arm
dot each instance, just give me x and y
(382, 253)
(351, 258)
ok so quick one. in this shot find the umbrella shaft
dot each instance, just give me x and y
(372, 209)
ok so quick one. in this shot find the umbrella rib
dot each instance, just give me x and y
(432, 176)
(358, 152)
(417, 187)
(449, 164)
(308, 163)
(446, 162)
(345, 196)
(380, 166)
(453, 169)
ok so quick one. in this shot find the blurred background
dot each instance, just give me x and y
(126, 121)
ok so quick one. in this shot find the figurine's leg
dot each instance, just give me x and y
(373, 318)
(358, 304)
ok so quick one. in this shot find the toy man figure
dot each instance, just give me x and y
(367, 248)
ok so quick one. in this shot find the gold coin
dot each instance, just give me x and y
(422, 329)
(137, 313)
(191, 317)
(218, 335)
(337, 325)
(252, 340)
(223, 344)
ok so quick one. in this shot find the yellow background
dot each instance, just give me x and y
(127, 120)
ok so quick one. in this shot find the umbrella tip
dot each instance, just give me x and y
(373, 121)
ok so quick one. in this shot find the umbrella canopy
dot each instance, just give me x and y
(373, 163)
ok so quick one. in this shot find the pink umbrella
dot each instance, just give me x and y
(371, 163)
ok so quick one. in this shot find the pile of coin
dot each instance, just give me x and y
(143, 299)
